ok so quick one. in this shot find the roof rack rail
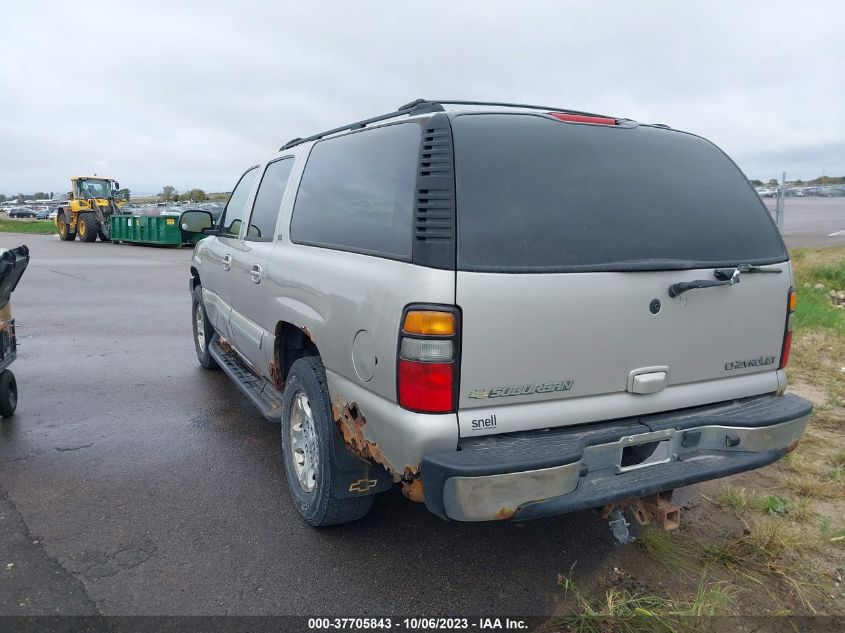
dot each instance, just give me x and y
(527, 106)
(420, 106)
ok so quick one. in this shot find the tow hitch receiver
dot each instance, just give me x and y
(656, 509)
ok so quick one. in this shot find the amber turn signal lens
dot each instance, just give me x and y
(429, 322)
(792, 301)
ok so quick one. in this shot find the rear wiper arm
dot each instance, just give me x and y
(681, 287)
(727, 273)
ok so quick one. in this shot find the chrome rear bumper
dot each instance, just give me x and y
(596, 464)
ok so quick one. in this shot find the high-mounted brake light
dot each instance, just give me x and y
(582, 118)
(787, 333)
(426, 373)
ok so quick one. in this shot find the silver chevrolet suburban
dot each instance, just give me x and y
(511, 311)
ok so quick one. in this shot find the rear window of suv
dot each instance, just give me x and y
(536, 194)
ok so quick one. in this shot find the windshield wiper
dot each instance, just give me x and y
(681, 287)
(724, 277)
(727, 273)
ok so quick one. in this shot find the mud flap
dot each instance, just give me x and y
(354, 477)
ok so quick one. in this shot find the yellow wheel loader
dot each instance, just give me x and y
(92, 202)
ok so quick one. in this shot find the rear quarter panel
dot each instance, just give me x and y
(336, 295)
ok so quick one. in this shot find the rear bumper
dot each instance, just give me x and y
(554, 471)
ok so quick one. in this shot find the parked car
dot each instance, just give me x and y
(21, 212)
(511, 312)
(43, 214)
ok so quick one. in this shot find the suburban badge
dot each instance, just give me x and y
(521, 390)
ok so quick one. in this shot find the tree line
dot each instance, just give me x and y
(120, 194)
(821, 180)
(169, 193)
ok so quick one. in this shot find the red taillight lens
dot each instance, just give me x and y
(787, 333)
(582, 118)
(426, 386)
(787, 344)
(428, 358)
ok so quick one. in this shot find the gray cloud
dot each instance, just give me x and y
(191, 93)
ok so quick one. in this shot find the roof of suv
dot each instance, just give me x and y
(426, 106)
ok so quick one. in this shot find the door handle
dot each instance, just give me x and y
(227, 261)
(255, 273)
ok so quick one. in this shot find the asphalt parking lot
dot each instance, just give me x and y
(134, 482)
(812, 222)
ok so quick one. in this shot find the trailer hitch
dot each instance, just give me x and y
(657, 509)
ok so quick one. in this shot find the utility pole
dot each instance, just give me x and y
(779, 209)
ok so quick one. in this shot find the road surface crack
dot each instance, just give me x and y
(63, 449)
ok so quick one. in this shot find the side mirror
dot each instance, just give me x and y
(197, 222)
(117, 185)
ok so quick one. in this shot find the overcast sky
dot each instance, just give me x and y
(191, 93)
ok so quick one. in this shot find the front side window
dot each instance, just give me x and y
(357, 192)
(233, 214)
(268, 200)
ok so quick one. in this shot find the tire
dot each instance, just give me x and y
(8, 393)
(310, 483)
(65, 233)
(104, 237)
(199, 319)
(87, 227)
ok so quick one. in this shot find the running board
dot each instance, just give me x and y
(259, 390)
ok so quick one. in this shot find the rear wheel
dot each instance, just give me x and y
(307, 436)
(8, 393)
(64, 228)
(88, 227)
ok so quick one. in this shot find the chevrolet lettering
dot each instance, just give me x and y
(753, 362)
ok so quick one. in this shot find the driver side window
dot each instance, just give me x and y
(233, 214)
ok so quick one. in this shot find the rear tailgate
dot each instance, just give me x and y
(570, 236)
(540, 346)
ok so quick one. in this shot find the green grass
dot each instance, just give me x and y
(40, 227)
(621, 610)
(763, 556)
(816, 274)
(818, 344)
(738, 500)
(833, 535)
(675, 551)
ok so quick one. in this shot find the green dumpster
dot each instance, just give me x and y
(158, 230)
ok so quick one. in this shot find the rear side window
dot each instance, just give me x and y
(357, 192)
(268, 200)
(535, 194)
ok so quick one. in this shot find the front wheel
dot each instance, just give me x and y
(88, 227)
(65, 234)
(8, 393)
(307, 436)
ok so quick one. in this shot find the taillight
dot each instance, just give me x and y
(427, 369)
(582, 118)
(787, 333)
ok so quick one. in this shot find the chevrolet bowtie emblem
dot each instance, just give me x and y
(362, 485)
